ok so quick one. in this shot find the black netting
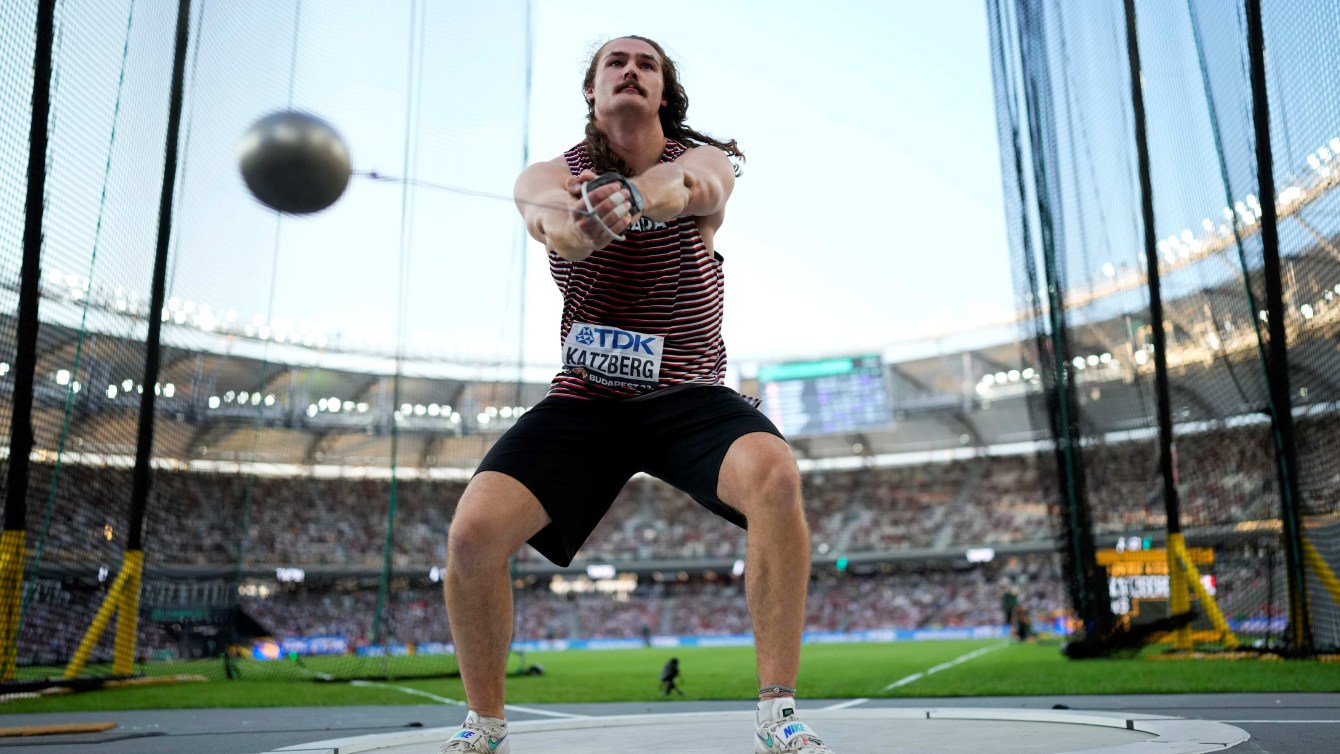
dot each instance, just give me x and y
(367, 336)
(1074, 199)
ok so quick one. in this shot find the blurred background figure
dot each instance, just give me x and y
(668, 676)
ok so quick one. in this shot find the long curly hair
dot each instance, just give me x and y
(673, 116)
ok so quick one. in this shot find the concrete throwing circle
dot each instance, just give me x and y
(847, 731)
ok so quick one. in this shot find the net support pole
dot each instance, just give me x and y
(110, 603)
(128, 608)
(11, 577)
(1277, 357)
(1180, 584)
(1319, 566)
(1179, 602)
(1087, 580)
(1177, 549)
(25, 356)
(141, 479)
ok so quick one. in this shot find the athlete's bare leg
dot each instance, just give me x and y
(760, 479)
(495, 516)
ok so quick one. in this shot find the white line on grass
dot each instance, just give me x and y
(918, 676)
(457, 702)
(946, 665)
(408, 690)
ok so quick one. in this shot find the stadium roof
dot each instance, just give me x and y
(224, 398)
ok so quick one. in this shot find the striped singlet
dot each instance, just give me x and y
(660, 292)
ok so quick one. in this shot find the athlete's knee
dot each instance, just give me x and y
(473, 540)
(779, 483)
(492, 520)
(772, 488)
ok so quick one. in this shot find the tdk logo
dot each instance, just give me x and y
(645, 224)
(617, 340)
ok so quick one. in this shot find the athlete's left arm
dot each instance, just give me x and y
(697, 185)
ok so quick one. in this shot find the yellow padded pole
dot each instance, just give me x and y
(1179, 598)
(11, 598)
(1230, 640)
(1313, 559)
(127, 622)
(98, 626)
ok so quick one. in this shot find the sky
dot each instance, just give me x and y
(868, 217)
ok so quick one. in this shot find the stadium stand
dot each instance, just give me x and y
(334, 528)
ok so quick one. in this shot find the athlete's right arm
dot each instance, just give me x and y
(549, 198)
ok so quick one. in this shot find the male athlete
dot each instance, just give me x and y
(629, 224)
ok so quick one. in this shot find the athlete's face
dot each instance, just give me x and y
(628, 75)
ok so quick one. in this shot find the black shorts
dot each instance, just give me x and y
(576, 455)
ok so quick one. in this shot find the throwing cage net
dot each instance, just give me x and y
(380, 335)
(1175, 248)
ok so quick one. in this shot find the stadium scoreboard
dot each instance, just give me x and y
(1138, 582)
(827, 396)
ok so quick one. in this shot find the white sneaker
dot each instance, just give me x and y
(478, 735)
(780, 731)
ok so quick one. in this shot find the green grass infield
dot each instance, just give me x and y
(829, 671)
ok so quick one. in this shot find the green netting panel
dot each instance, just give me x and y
(1302, 47)
(1034, 63)
(17, 37)
(1064, 99)
(304, 359)
(99, 157)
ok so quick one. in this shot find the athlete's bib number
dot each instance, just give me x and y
(611, 356)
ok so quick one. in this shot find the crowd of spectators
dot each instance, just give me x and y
(898, 507)
(1226, 477)
(911, 597)
(1249, 576)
